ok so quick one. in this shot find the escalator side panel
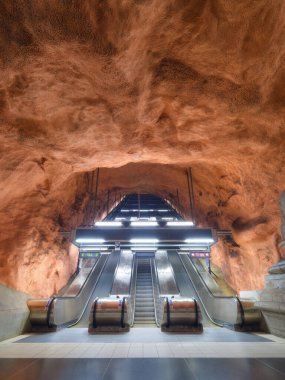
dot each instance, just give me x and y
(166, 280)
(67, 310)
(102, 288)
(185, 286)
(123, 275)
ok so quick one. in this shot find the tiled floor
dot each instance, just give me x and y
(244, 356)
(143, 335)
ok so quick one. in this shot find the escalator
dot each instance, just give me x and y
(72, 309)
(185, 285)
(77, 282)
(103, 287)
(225, 311)
(144, 313)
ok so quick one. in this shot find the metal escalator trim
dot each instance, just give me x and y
(50, 305)
(240, 310)
(241, 313)
(160, 273)
(134, 286)
(100, 260)
(75, 277)
(151, 264)
(123, 312)
(202, 303)
(157, 289)
(86, 304)
(116, 270)
(167, 312)
(94, 324)
(206, 286)
(196, 313)
(84, 283)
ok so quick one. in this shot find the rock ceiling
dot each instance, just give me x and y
(149, 87)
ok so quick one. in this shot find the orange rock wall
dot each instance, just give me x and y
(159, 85)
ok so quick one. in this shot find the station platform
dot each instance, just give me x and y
(143, 353)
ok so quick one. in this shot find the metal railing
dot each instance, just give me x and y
(67, 311)
(133, 290)
(158, 301)
(221, 310)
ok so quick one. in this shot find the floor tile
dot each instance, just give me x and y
(8, 367)
(276, 363)
(59, 369)
(150, 369)
(232, 369)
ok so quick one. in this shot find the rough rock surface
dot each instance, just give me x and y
(176, 83)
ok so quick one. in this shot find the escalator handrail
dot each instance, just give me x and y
(167, 312)
(134, 284)
(84, 283)
(116, 270)
(196, 312)
(94, 324)
(123, 312)
(201, 301)
(206, 286)
(77, 296)
(151, 263)
(50, 304)
(71, 279)
(173, 275)
(132, 276)
(242, 313)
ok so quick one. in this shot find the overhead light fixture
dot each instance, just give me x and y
(166, 218)
(180, 224)
(199, 240)
(143, 224)
(144, 248)
(144, 241)
(120, 218)
(163, 210)
(89, 240)
(150, 210)
(108, 224)
(91, 248)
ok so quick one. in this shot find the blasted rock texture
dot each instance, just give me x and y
(90, 83)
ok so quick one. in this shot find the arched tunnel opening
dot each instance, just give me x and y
(44, 219)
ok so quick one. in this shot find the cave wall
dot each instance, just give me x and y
(87, 84)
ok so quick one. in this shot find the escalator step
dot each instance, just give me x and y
(144, 309)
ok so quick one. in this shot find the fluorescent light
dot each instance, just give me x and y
(144, 241)
(166, 218)
(150, 210)
(86, 249)
(143, 224)
(108, 224)
(194, 248)
(90, 240)
(120, 218)
(144, 248)
(125, 210)
(163, 210)
(180, 224)
(199, 240)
